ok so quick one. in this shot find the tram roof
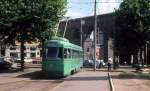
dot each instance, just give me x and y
(62, 42)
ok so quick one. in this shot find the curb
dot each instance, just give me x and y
(110, 82)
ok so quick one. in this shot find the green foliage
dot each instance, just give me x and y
(128, 75)
(47, 35)
(137, 13)
(27, 19)
(138, 75)
(132, 26)
(141, 11)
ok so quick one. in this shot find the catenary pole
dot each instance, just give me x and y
(81, 32)
(66, 27)
(95, 29)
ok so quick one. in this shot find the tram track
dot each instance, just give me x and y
(85, 76)
(13, 85)
(111, 82)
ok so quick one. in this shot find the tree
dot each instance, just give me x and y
(132, 26)
(25, 20)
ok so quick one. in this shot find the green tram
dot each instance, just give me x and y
(61, 58)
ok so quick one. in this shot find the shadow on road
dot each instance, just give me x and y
(91, 78)
(38, 75)
(9, 71)
(131, 75)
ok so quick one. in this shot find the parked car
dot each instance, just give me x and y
(88, 63)
(4, 63)
(100, 63)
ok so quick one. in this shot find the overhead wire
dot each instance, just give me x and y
(91, 2)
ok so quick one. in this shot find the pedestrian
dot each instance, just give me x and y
(109, 64)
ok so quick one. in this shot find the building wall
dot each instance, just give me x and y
(105, 26)
(110, 47)
(89, 50)
(31, 51)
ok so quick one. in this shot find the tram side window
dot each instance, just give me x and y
(75, 54)
(60, 53)
(81, 54)
(52, 52)
(67, 53)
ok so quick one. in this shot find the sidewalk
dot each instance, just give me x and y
(129, 84)
(85, 81)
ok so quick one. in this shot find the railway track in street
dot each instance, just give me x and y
(26, 81)
(29, 85)
(86, 79)
(110, 81)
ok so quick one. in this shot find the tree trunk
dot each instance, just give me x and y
(135, 57)
(114, 61)
(145, 54)
(132, 59)
(141, 57)
(43, 51)
(22, 55)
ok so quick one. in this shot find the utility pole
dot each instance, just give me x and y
(81, 32)
(95, 29)
(81, 35)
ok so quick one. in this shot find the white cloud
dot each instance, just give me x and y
(107, 7)
(76, 10)
(74, 14)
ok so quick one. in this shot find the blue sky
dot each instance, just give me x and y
(82, 8)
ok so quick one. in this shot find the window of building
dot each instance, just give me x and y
(13, 54)
(25, 54)
(38, 53)
(88, 49)
(33, 55)
(12, 48)
(33, 48)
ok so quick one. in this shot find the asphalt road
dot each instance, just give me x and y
(29, 80)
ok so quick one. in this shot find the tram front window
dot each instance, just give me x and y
(54, 52)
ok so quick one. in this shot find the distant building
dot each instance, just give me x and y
(105, 28)
(31, 51)
(89, 49)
